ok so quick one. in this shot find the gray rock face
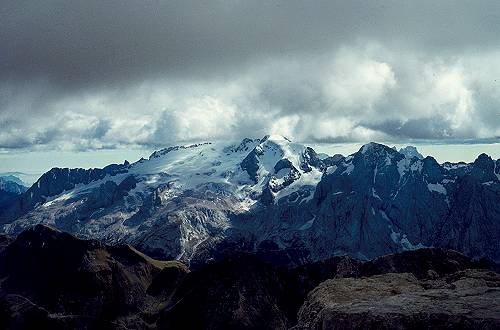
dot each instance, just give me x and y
(379, 200)
(284, 175)
(251, 164)
(467, 300)
(311, 158)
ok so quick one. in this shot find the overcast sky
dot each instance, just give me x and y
(97, 74)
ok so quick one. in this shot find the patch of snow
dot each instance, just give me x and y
(349, 169)
(403, 166)
(417, 166)
(437, 187)
(366, 147)
(331, 169)
(388, 160)
(395, 237)
(308, 224)
(322, 156)
(453, 166)
(400, 239)
(408, 246)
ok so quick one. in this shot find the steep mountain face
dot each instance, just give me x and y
(379, 197)
(277, 199)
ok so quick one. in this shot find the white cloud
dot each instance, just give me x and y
(356, 82)
(358, 93)
(285, 126)
(201, 119)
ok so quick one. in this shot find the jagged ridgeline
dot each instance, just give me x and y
(277, 199)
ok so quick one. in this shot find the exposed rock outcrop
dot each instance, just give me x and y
(465, 300)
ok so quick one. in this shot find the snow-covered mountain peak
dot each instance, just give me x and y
(276, 138)
(164, 151)
(375, 148)
(245, 145)
(376, 155)
(411, 151)
(262, 160)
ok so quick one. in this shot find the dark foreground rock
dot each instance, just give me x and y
(52, 280)
(467, 299)
(238, 293)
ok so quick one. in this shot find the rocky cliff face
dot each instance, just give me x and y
(275, 198)
(380, 200)
(463, 300)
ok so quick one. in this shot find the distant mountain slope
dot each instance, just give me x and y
(278, 199)
(12, 184)
(10, 188)
(22, 178)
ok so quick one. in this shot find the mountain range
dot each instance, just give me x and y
(278, 200)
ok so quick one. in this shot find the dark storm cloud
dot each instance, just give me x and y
(106, 73)
(87, 42)
(426, 128)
